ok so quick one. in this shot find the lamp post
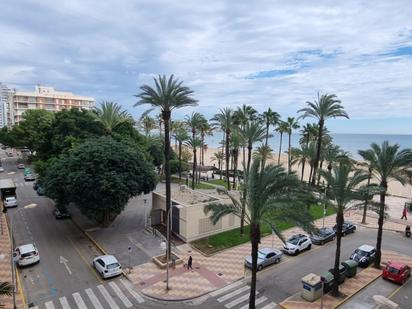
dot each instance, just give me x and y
(145, 215)
(167, 248)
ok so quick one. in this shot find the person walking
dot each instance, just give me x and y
(404, 214)
(189, 263)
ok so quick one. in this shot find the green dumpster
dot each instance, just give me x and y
(342, 274)
(327, 281)
(351, 268)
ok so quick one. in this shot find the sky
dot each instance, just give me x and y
(276, 54)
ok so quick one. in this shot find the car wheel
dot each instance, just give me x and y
(310, 246)
(259, 267)
(297, 252)
(277, 260)
(321, 243)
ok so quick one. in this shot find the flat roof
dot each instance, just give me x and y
(7, 183)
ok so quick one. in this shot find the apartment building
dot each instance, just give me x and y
(43, 98)
(5, 100)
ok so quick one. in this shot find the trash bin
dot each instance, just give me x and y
(328, 281)
(351, 268)
(312, 287)
(342, 274)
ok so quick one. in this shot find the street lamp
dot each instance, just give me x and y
(145, 215)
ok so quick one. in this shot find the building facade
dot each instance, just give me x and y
(5, 101)
(47, 98)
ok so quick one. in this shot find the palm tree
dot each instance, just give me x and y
(6, 289)
(253, 132)
(282, 128)
(205, 129)
(224, 119)
(309, 133)
(241, 116)
(181, 136)
(168, 95)
(387, 163)
(300, 156)
(269, 118)
(235, 143)
(291, 124)
(342, 190)
(194, 122)
(271, 194)
(325, 107)
(148, 124)
(263, 152)
(193, 142)
(219, 157)
(111, 115)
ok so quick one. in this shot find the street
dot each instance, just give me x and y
(64, 278)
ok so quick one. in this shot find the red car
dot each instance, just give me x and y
(396, 272)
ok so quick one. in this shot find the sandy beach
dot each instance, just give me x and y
(395, 188)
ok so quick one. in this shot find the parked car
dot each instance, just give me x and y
(1, 169)
(323, 235)
(364, 255)
(347, 227)
(397, 272)
(21, 166)
(107, 266)
(26, 255)
(29, 177)
(10, 201)
(297, 243)
(266, 256)
(40, 190)
(35, 186)
(59, 214)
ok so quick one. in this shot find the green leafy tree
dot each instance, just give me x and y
(342, 190)
(387, 163)
(100, 176)
(169, 94)
(326, 106)
(271, 194)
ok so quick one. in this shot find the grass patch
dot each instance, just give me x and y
(228, 239)
(218, 182)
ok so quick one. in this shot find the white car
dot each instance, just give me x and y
(1, 169)
(10, 201)
(26, 255)
(107, 266)
(297, 243)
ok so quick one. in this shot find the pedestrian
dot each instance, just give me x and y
(189, 263)
(404, 214)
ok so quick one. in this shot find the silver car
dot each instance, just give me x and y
(266, 256)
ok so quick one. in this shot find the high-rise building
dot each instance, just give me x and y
(5, 99)
(43, 98)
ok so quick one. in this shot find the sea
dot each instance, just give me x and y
(348, 142)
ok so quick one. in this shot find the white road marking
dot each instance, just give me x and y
(234, 293)
(79, 301)
(30, 206)
(93, 299)
(107, 297)
(130, 289)
(270, 306)
(226, 288)
(257, 302)
(65, 261)
(238, 300)
(49, 305)
(120, 294)
(64, 303)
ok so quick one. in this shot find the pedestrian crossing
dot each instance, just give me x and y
(236, 296)
(114, 295)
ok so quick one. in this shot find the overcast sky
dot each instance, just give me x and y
(262, 53)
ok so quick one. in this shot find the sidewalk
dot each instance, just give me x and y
(5, 266)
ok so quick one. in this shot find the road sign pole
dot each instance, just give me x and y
(129, 249)
(322, 279)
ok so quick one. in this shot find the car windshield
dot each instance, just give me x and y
(323, 232)
(28, 254)
(294, 240)
(361, 252)
(261, 255)
(393, 270)
(114, 265)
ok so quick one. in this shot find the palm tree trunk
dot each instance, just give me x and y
(202, 153)
(194, 168)
(320, 168)
(289, 155)
(180, 161)
(377, 263)
(235, 158)
(255, 238)
(267, 133)
(339, 223)
(310, 173)
(249, 156)
(227, 159)
(318, 147)
(223, 143)
(280, 147)
(303, 171)
(365, 206)
(166, 120)
(244, 156)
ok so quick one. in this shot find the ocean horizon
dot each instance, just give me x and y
(349, 142)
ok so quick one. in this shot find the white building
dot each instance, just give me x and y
(5, 100)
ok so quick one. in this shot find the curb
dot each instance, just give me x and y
(95, 243)
(20, 287)
(375, 228)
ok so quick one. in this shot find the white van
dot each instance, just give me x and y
(10, 201)
(26, 255)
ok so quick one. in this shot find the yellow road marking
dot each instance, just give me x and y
(21, 289)
(399, 288)
(88, 264)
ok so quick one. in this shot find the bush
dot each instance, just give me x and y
(174, 166)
